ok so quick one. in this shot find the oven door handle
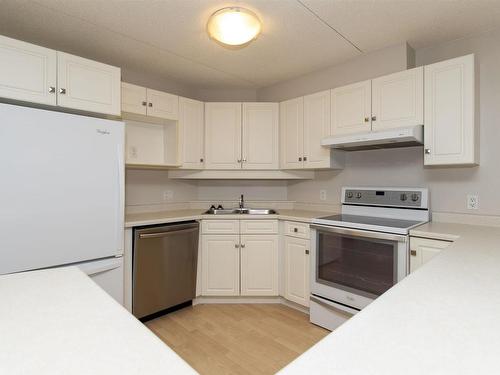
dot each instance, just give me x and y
(361, 233)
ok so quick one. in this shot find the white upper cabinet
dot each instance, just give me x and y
(88, 85)
(260, 136)
(351, 108)
(223, 135)
(292, 132)
(316, 127)
(27, 72)
(192, 135)
(259, 265)
(451, 128)
(162, 104)
(134, 99)
(398, 99)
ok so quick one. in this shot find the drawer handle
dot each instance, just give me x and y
(413, 253)
(295, 230)
(307, 252)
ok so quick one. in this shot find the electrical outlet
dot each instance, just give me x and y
(168, 195)
(473, 201)
(133, 152)
(322, 195)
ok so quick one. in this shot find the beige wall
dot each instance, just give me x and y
(404, 167)
(216, 191)
(367, 66)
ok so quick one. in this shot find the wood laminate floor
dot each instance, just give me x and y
(237, 339)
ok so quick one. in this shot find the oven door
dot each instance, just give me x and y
(353, 267)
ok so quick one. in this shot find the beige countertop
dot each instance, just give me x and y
(441, 319)
(151, 218)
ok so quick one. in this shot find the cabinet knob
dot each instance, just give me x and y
(244, 160)
(427, 151)
(307, 252)
(144, 103)
(150, 104)
(52, 89)
(62, 91)
(300, 159)
(239, 160)
(367, 119)
(295, 230)
(236, 245)
(374, 118)
(242, 245)
(413, 253)
(305, 158)
(201, 160)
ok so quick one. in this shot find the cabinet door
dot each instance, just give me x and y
(260, 139)
(27, 72)
(220, 265)
(398, 99)
(259, 265)
(351, 108)
(450, 126)
(292, 133)
(88, 85)
(422, 250)
(134, 99)
(222, 135)
(297, 270)
(192, 134)
(316, 127)
(162, 104)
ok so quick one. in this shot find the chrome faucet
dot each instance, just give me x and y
(242, 201)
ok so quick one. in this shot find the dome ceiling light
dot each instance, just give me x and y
(234, 26)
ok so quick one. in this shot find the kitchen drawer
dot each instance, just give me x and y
(296, 229)
(209, 226)
(259, 226)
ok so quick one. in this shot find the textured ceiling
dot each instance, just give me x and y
(168, 38)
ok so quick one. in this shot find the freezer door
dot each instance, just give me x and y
(62, 188)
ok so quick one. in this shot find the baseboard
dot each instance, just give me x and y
(202, 300)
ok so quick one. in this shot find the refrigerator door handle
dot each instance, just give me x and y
(121, 198)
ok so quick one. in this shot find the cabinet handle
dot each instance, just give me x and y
(201, 160)
(244, 160)
(239, 160)
(300, 159)
(307, 252)
(52, 89)
(150, 104)
(413, 253)
(374, 118)
(236, 245)
(295, 230)
(62, 91)
(427, 151)
(144, 103)
(305, 158)
(242, 245)
(367, 119)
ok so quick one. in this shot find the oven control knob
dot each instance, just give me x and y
(358, 195)
(350, 194)
(414, 197)
(403, 197)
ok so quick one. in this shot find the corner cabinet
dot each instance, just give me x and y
(192, 133)
(34, 74)
(451, 127)
(304, 122)
(241, 136)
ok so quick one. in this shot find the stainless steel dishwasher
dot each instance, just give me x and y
(164, 267)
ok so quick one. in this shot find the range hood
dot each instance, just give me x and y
(390, 138)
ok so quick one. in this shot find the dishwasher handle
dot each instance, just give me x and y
(167, 233)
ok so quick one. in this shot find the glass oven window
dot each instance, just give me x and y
(356, 264)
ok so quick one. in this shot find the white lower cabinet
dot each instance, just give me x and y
(423, 249)
(297, 286)
(259, 265)
(220, 265)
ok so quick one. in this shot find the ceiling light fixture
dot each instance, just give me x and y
(234, 26)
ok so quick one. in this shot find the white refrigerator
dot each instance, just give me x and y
(62, 194)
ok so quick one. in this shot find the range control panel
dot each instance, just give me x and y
(414, 198)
